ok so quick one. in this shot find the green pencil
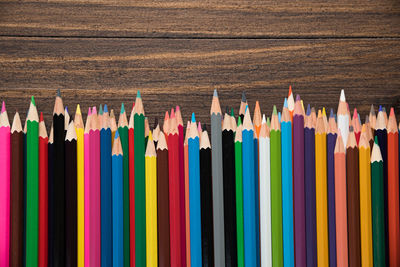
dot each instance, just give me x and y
(276, 191)
(123, 133)
(32, 185)
(239, 193)
(378, 222)
(140, 198)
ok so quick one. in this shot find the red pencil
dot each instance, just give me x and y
(174, 199)
(43, 193)
(131, 186)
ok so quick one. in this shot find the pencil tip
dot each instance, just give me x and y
(101, 109)
(244, 97)
(58, 92)
(376, 139)
(215, 93)
(274, 111)
(232, 113)
(380, 108)
(122, 108)
(298, 98)
(172, 113)
(3, 107)
(138, 94)
(391, 111)
(342, 96)
(239, 121)
(177, 108)
(193, 117)
(94, 110)
(105, 108)
(290, 90)
(78, 110)
(285, 104)
(41, 117)
(332, 114)
(33, 101)
(116, 134)
(323, 111)
(308, 112)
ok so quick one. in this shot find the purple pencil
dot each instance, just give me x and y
(309, 184)
(331, 142)
(298, 189)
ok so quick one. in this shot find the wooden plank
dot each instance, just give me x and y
(184, 72)
(189, 18)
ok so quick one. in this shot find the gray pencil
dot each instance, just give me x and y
(217, 182)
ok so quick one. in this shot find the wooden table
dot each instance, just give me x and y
(99, 51)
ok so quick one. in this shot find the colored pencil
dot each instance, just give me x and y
(87, 188)
(194, 195)
(309, 188)
(377, 202)
(287, 186)
(163, 202)
(356, 126)
(207, 236)
(321, 202)
(265, 196)
(228, 160)
(131, 144)
(249, 217)
(80, 187)
(381, 133)
(43, 194)
(179, 122)
(32, 185)
(298, 185)
(353, 200)
(343, 118)
(341, 203)
(239, 193)
(117, 202)
(50, 164)
(290, 103)
(105, 190)
(17, 197)
(187, 208)
(140, 200)
(94, 196)
(174, 189)
(4, 187)
(71, 196)
(330, 154)
(217, 181)
(57, 249)
(365, 200)
(276, 191)
(151, 203)
(124, 138)
(393, 192)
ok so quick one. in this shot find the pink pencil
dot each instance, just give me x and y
(94, 135)
(87, 188)
(4, 188)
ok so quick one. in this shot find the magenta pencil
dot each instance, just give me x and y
(4, 188)
(86, 142)
(94, 197)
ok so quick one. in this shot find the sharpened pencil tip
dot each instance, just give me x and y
(215, 93)
(232, 113)
(376, 139)
(380, 108)
(285, 104)
(342, 96)
(332, 114)
(122, 108)
(94, 110)
(244, 97)
(177, 108)
(3, 107)
(193, 117)
(66, 109)
(41, 117)
(298, 98)
(58, 92)
(138, 94)
(264, 120)
(101, 109)
(150, 136)
(308, 112)
(274, 111)
(239, 121)
(290, 90)
(323, 111)
(78, 110)
(105, 108)
(116, 135)
(391, 111)
(268, 122)
(33, 101)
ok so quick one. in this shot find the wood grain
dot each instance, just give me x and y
(201, 19)
(170, 72)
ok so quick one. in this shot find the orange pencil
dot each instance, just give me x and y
(393, 190)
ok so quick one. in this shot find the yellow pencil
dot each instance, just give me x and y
(365, 199)
(80, 187)
(321, 192)
(151, 203)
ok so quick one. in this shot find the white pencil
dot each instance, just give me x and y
(343, 118)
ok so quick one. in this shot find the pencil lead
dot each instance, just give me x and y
(78, 110)
(58, 92)
(342, 96)
(376, 139)
(138, 94)
(380, 108)
(290, 90)
(239, 121)
(372, 110)
(150, 136)
(274, 111)
(308, 112)
(172, 113)
(41, 117)
(247, 106)
(285, 104)
(122, 108)
(105, 108)
(94, 110)
(323, 111)
(116, 134)
(66, 109)
(101, 110)
(391, 111)
(244, 97)
(193, 118)
(366, 119)
(33, 101)
(355, 116)
(89, 111)
(298, 97)
(232, 113)
(332, 115)
(319, 114)
(215, 93)
(263, 119)
(384, 109)
(279, 117)
(268, 122)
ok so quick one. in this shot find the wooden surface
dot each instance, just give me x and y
(178, 52)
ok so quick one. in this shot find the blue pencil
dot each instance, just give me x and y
(117, 203)
(287, 187)
(194, 195)
(249, 216)
(105, 189)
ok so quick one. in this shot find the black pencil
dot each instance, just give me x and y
(70, 197)
(207, 232)
(58, 248)
(228, 161)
